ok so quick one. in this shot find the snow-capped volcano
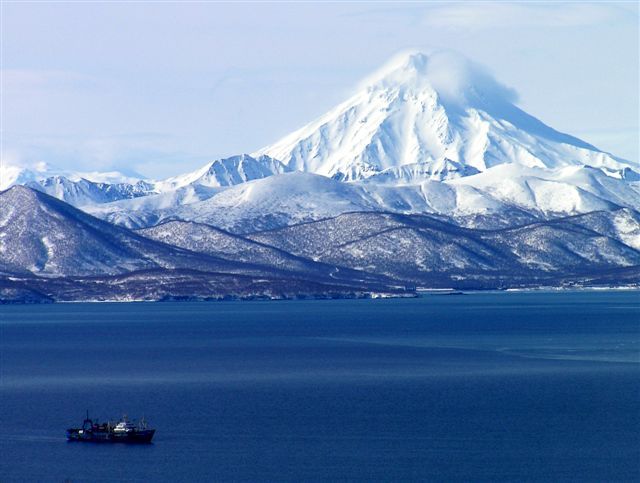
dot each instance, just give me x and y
(426, 134)
(422, 110)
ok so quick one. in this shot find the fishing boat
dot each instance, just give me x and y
(123, 431)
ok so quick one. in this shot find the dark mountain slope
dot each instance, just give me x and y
(427, 250)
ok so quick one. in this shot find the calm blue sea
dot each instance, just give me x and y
(483, 386)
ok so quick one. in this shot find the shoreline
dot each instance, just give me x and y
(419, 293)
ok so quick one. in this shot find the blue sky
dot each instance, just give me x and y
(163, 88)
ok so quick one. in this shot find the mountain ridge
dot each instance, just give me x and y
(52, 251)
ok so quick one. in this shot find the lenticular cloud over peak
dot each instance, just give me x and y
(455, 78)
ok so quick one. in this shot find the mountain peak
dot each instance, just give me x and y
(409, 73)
(227, 172)
(18, 193)
(455, 79)
(419, 108)
(400, 68)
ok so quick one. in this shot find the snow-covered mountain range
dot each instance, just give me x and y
(50, 250)
(426, 135)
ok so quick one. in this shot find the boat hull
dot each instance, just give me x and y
(133, 437)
